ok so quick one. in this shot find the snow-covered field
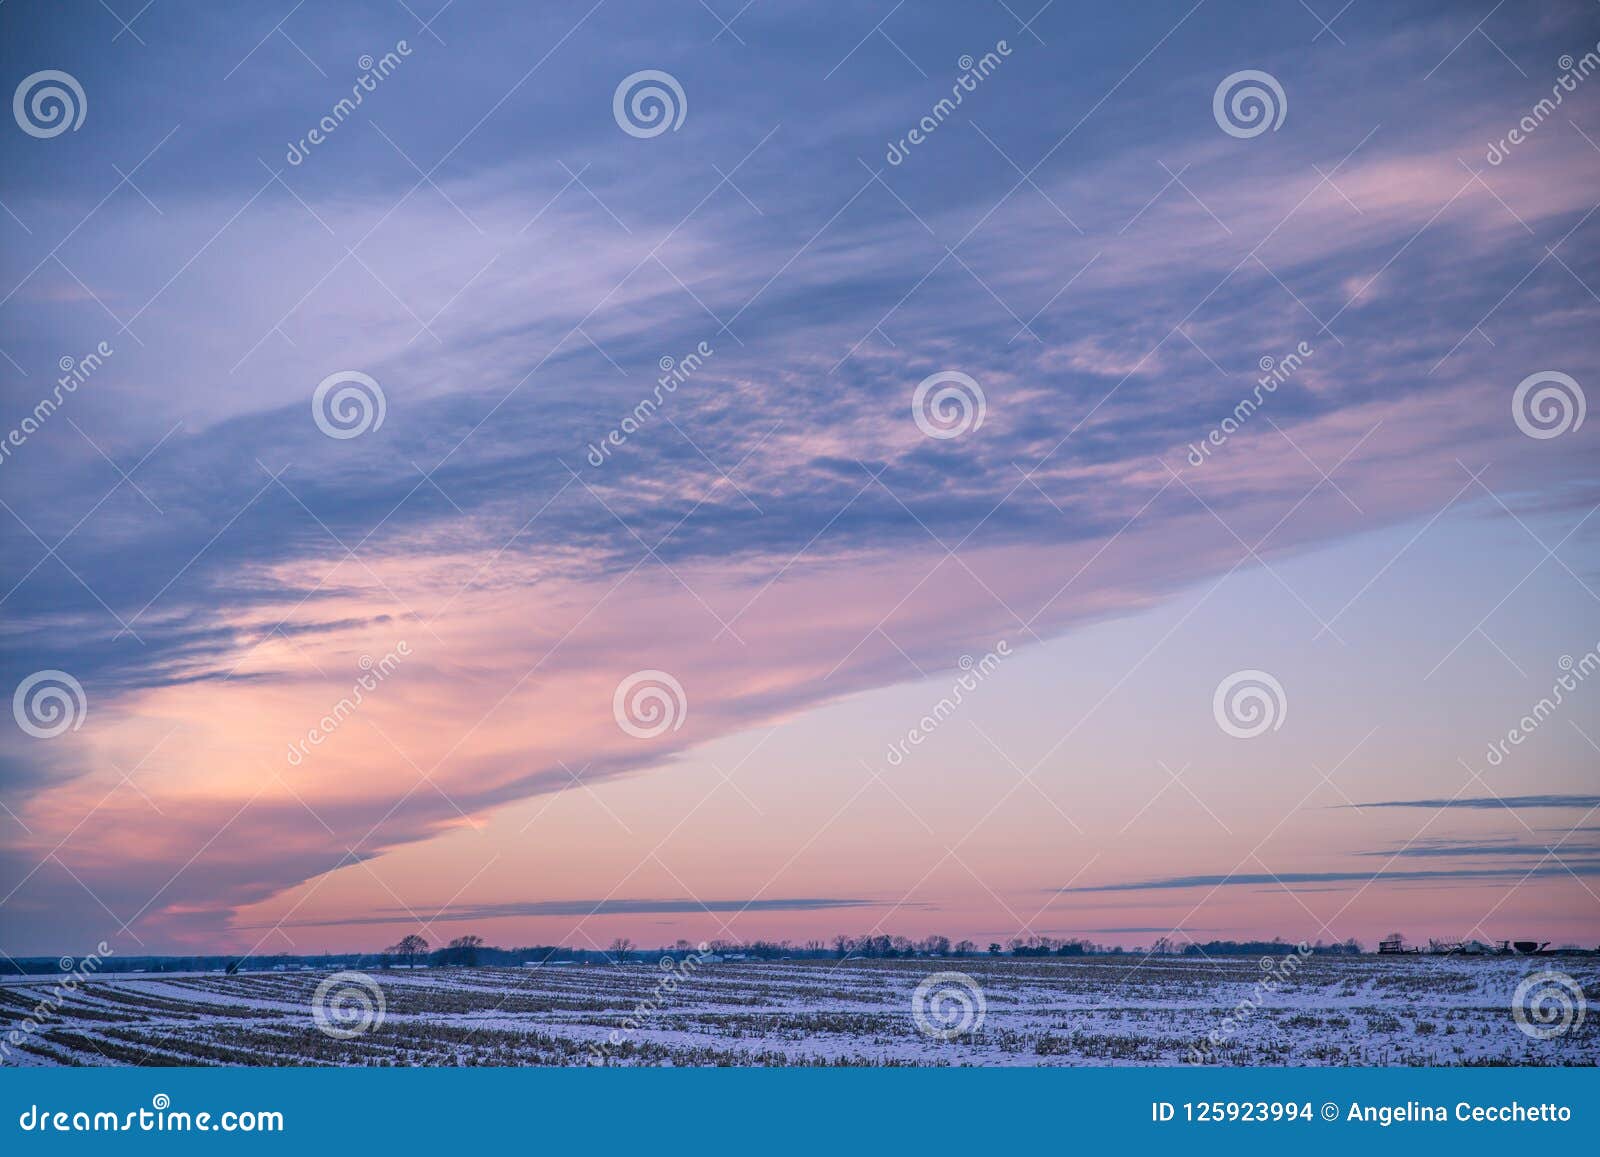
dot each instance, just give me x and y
(1089, 1011)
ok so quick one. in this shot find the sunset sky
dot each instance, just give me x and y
(1081, 237)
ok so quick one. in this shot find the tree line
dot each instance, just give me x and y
(468, 951)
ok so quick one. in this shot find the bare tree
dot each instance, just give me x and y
(409, 948)
(620, 947)
(464, 950)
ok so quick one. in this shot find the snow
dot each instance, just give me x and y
(1076, 1011)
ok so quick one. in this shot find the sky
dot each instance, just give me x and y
(794, 501)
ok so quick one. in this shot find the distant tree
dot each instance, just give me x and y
(994, 950)
(841, 945)
(936, 945)
(620, 947)
(463, 950)
(409, 948)
(965, 948)
(1034, 946)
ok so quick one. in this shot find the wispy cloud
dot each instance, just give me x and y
(1488, 803)
(1580, 868)
(612, 907)
(1451, 849)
